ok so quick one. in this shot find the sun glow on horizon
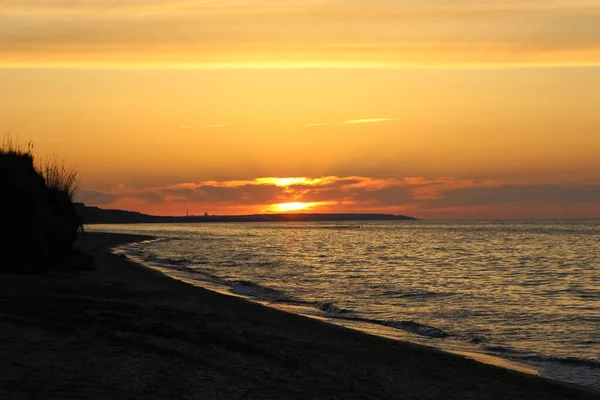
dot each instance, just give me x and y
(294, 206)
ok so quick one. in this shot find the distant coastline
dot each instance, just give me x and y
(96, 215)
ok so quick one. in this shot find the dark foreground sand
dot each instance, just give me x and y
(126, 332)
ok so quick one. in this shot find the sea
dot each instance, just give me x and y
(527, 292)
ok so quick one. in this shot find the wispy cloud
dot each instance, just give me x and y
(217, 126)
(369, 121)
(242, 33)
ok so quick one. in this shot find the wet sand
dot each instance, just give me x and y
(124, 331)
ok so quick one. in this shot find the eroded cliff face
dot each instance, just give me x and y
(39, 224)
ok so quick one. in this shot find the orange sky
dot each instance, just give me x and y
(436, 109)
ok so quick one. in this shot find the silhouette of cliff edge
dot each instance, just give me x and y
(39, 221)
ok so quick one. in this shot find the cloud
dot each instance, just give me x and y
(267, 181)
(244, 33)
(511, 194)
(440, 197)
(429, 189)
(148, 197)
(369, 120)
(95, 197)
(256, 192)
(217, 126)
(262, 193)
(268, 190)
(98, 197)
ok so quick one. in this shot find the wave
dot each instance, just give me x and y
(179, 261)
(331, 308)
(501, 349)
(523, 356)
(138, 249)
(176, 264)
(415, 327)
(408, 326)
(477, 339)
(264, 293)
(566, 360)
(239, 287)
(405, 295)
(251, 289)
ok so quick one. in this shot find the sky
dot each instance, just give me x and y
(438, 109)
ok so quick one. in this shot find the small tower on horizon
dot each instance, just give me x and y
(187, 214)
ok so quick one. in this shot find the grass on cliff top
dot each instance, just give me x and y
(54, 171)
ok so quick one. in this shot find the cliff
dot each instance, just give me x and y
(39, 221)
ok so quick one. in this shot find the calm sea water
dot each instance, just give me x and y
(526, 291)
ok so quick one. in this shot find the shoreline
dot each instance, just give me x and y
(480, 357)
(126, 330)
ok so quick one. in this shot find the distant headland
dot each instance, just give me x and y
(96, 215)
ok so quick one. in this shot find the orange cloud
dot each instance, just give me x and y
(430, 189)
(419, 196)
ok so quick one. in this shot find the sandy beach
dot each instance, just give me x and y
(123, 331)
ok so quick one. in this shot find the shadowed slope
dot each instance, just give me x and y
(39, 221)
